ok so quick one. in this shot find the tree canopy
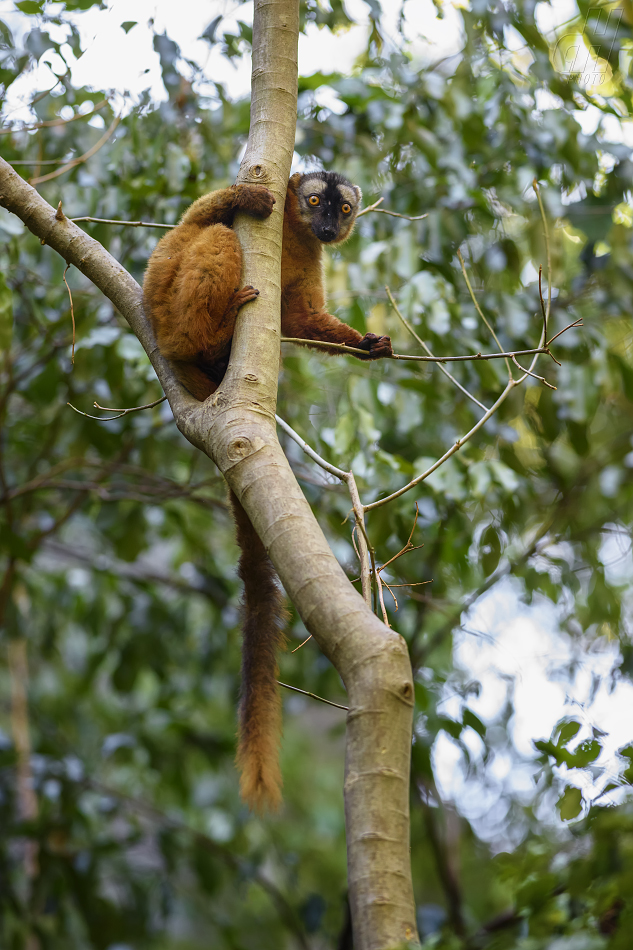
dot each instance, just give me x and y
(116, 546)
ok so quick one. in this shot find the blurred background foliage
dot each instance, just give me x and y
(117, 555)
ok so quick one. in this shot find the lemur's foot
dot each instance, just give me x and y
(376, 346)
(254, 199)
(239, 298)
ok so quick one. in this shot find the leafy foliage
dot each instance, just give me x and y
(116, 549)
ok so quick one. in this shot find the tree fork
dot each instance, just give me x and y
(235, 427)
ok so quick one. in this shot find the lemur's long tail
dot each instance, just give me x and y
(259, 732)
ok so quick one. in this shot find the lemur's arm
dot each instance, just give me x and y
(306, 322)
(220, 207)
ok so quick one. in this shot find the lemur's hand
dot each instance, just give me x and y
(254, 199)
(376, 346)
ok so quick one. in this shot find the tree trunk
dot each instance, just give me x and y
(236, 428)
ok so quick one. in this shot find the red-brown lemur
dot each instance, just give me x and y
(192, 296)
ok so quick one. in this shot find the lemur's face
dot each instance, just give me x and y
(328, 204)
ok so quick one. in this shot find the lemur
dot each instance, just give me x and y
(192, 296)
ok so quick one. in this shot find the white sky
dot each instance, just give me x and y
(128, 63)
(519, 643)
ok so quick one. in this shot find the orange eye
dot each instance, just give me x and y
(346, 208)
(314, 200)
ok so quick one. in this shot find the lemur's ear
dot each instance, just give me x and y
(359, 193)
(294, 180)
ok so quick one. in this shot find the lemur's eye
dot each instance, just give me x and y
(314, 200)
(346, 209)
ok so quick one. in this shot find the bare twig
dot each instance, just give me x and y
(370, 208)
(393, 214)
(301, 644)
(295, 689)
(51, 123)
(540, 297)
(533, 375)
(395, 599)
(38, 161)
(129, 224)
(120, 412)
(352, 350)
(309, 451)
(381, 599)
(363, 547)
(448, 375)
(479, 310)
(512, 383)
(548, 254)
(571, 326)
(72, 311)
(82, 158)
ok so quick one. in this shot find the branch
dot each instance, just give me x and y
(362, 550)
(352, 350)
(394, 214)
(120, 412)
(408, 326)
(480, 311)
(512, 384)
(52, 123)
(295, 689)
(129, 224)
(309, 451)
(82, 158)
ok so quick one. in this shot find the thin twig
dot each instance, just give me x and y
(364, 546)
(352, 350)
(363, 540)
(39, 161)
(413, 584)
(309, 451)
(479, 310)
(540, 296)
(301, 644)
(130, 224)
(72, 311)
(394, 214)
(571, 326)
(370, 208)
(381, 599)
(537, 191)
(533, 375)
(121, 412)
(82, 158)
(51, 123)
(328, 702)
(395, 599)
(512, 383)
(448, 375)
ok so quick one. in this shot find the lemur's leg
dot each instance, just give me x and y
(199, 315)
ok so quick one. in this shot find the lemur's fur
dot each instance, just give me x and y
(191, 293)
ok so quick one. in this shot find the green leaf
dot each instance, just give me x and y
(566, 732)
(128, 24)
(30, 6)
(470, 719)
(586, 752)
(570, 803)
(490, 547)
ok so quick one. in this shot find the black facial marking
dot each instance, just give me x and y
(328, 221)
